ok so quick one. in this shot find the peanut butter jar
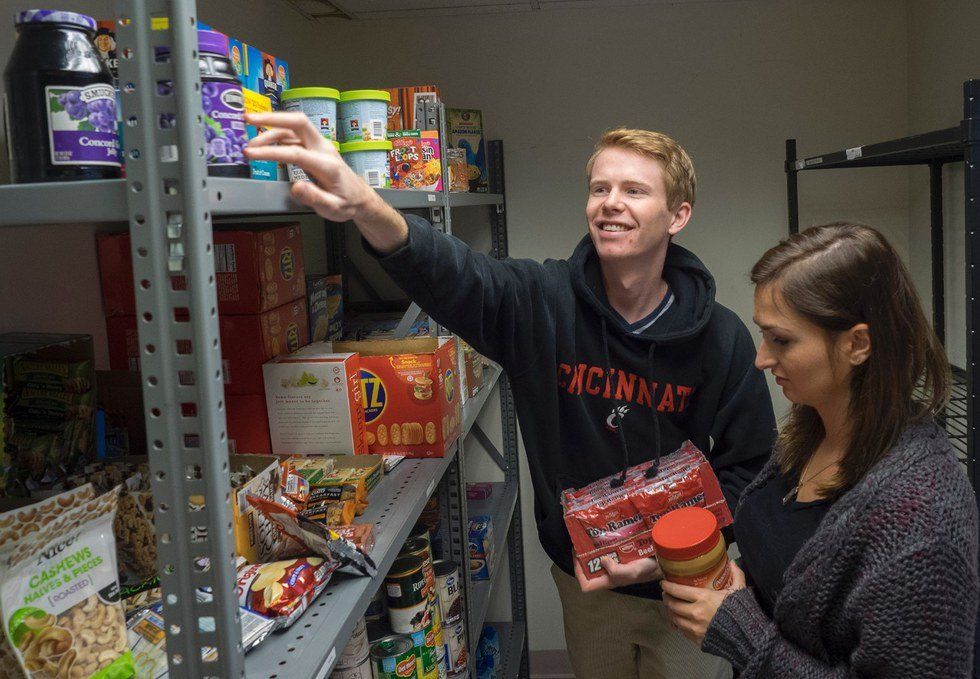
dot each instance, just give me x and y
(691, 549)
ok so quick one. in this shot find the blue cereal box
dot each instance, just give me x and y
(265, 74)
(325, 300)
(481, 547)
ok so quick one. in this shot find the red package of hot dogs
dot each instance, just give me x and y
(615, 521)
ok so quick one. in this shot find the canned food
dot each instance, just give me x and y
(357, 649)
(407, 620)
(394, 657)
(457, 655)
(424, 641)
(419, 546)
(449, 591)
(378, 607)
(406, 582)
(362, 670)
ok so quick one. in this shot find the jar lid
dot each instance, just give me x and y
(212, 42)
(310, 93)
(685, 533)
(54, 16)
(358, 95)
(354, 146)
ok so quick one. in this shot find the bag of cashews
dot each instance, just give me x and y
(59, 590)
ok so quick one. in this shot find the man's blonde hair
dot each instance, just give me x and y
(676, 164)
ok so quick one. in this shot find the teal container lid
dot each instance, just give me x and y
(355, 146)
(365, 95)
(311, 93)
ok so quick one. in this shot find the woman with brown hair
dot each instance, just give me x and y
(859, 537)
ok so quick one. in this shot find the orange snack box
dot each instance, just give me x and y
(411, 395)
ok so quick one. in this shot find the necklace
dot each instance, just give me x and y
(795, 491)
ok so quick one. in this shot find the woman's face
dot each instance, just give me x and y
(812, 366)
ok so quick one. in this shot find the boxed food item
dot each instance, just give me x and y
(314, 402)
(247, 421)
(266, 170)
(265, 74)
(464, 126)
(72, 624)
(481, 547)
(325, 295)
(257, 539)
(411, 395)
(406, 109)
(471, 367)
(459, 179)
(48, 405)
(257, 268)
(603, 520)
(246, 343)
(415, 160)
(378, 326)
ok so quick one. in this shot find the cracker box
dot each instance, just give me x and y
(326, 301)
(415, 160)
(246, 343)
(247, 421)
(406, 109)
(314, 402)
(266, 170)
(257, 268)
(411, 394)
(481, 547)
(464, 127)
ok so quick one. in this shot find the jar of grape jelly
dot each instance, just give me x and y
(224, 108)
(60, 100)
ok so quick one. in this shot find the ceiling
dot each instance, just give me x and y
(318, 10)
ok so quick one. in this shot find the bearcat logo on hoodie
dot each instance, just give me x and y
(619, 385)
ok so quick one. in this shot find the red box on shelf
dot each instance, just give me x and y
(246, 343)
(257, 269)
(248, 424)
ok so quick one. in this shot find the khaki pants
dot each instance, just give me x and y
(617, 636)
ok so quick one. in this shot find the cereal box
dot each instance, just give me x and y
(406, 109)
(266, 170)
(265, 74)
(410, 391)
(314, 402)
(415, 160)
(326, 301)
(256, 269)
(247, 341)
(464, 127)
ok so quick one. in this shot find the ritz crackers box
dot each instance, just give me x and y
(411, 395)
(256, 269)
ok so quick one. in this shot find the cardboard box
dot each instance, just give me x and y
(105, 43)
(265, 170)
(459, 181)
(411, 395)
(256, 269)
(473, 369)
(481, 547)
(265, 74)
(257, 539)
(415, 160)
(246, 343)
(464, 127)
(406, 109)
(247, 422)
(325, 298)
(314, 402)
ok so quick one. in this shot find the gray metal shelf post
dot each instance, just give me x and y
(971, 141)
(170, 225)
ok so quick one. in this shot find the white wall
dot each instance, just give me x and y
(730, 80)
(943, 37)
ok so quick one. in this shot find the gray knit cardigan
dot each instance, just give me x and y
(886, 587)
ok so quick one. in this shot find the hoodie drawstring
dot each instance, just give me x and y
(618, 481)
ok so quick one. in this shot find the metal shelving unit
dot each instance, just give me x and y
(935, 150)
(168, 208)
(511, 640)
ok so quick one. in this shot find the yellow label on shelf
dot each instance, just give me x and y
(159, 23)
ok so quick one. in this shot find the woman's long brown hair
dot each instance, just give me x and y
(837, 276)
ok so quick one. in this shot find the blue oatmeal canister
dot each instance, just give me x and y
(369, 159)
(318, 103)
(364, 115)
(296, 173)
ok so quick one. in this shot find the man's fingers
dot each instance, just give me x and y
(277, 135)
(294, 121)
(316, 164)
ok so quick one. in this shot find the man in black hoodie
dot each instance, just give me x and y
(616, 356)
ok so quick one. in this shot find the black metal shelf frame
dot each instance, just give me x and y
(933, 149)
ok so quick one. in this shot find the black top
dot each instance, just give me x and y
(770, 533)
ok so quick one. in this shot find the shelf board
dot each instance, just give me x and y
(104, 200)
(512, 640)
(500, 506)
(941, 145)
(311, 646)
(474, 406)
